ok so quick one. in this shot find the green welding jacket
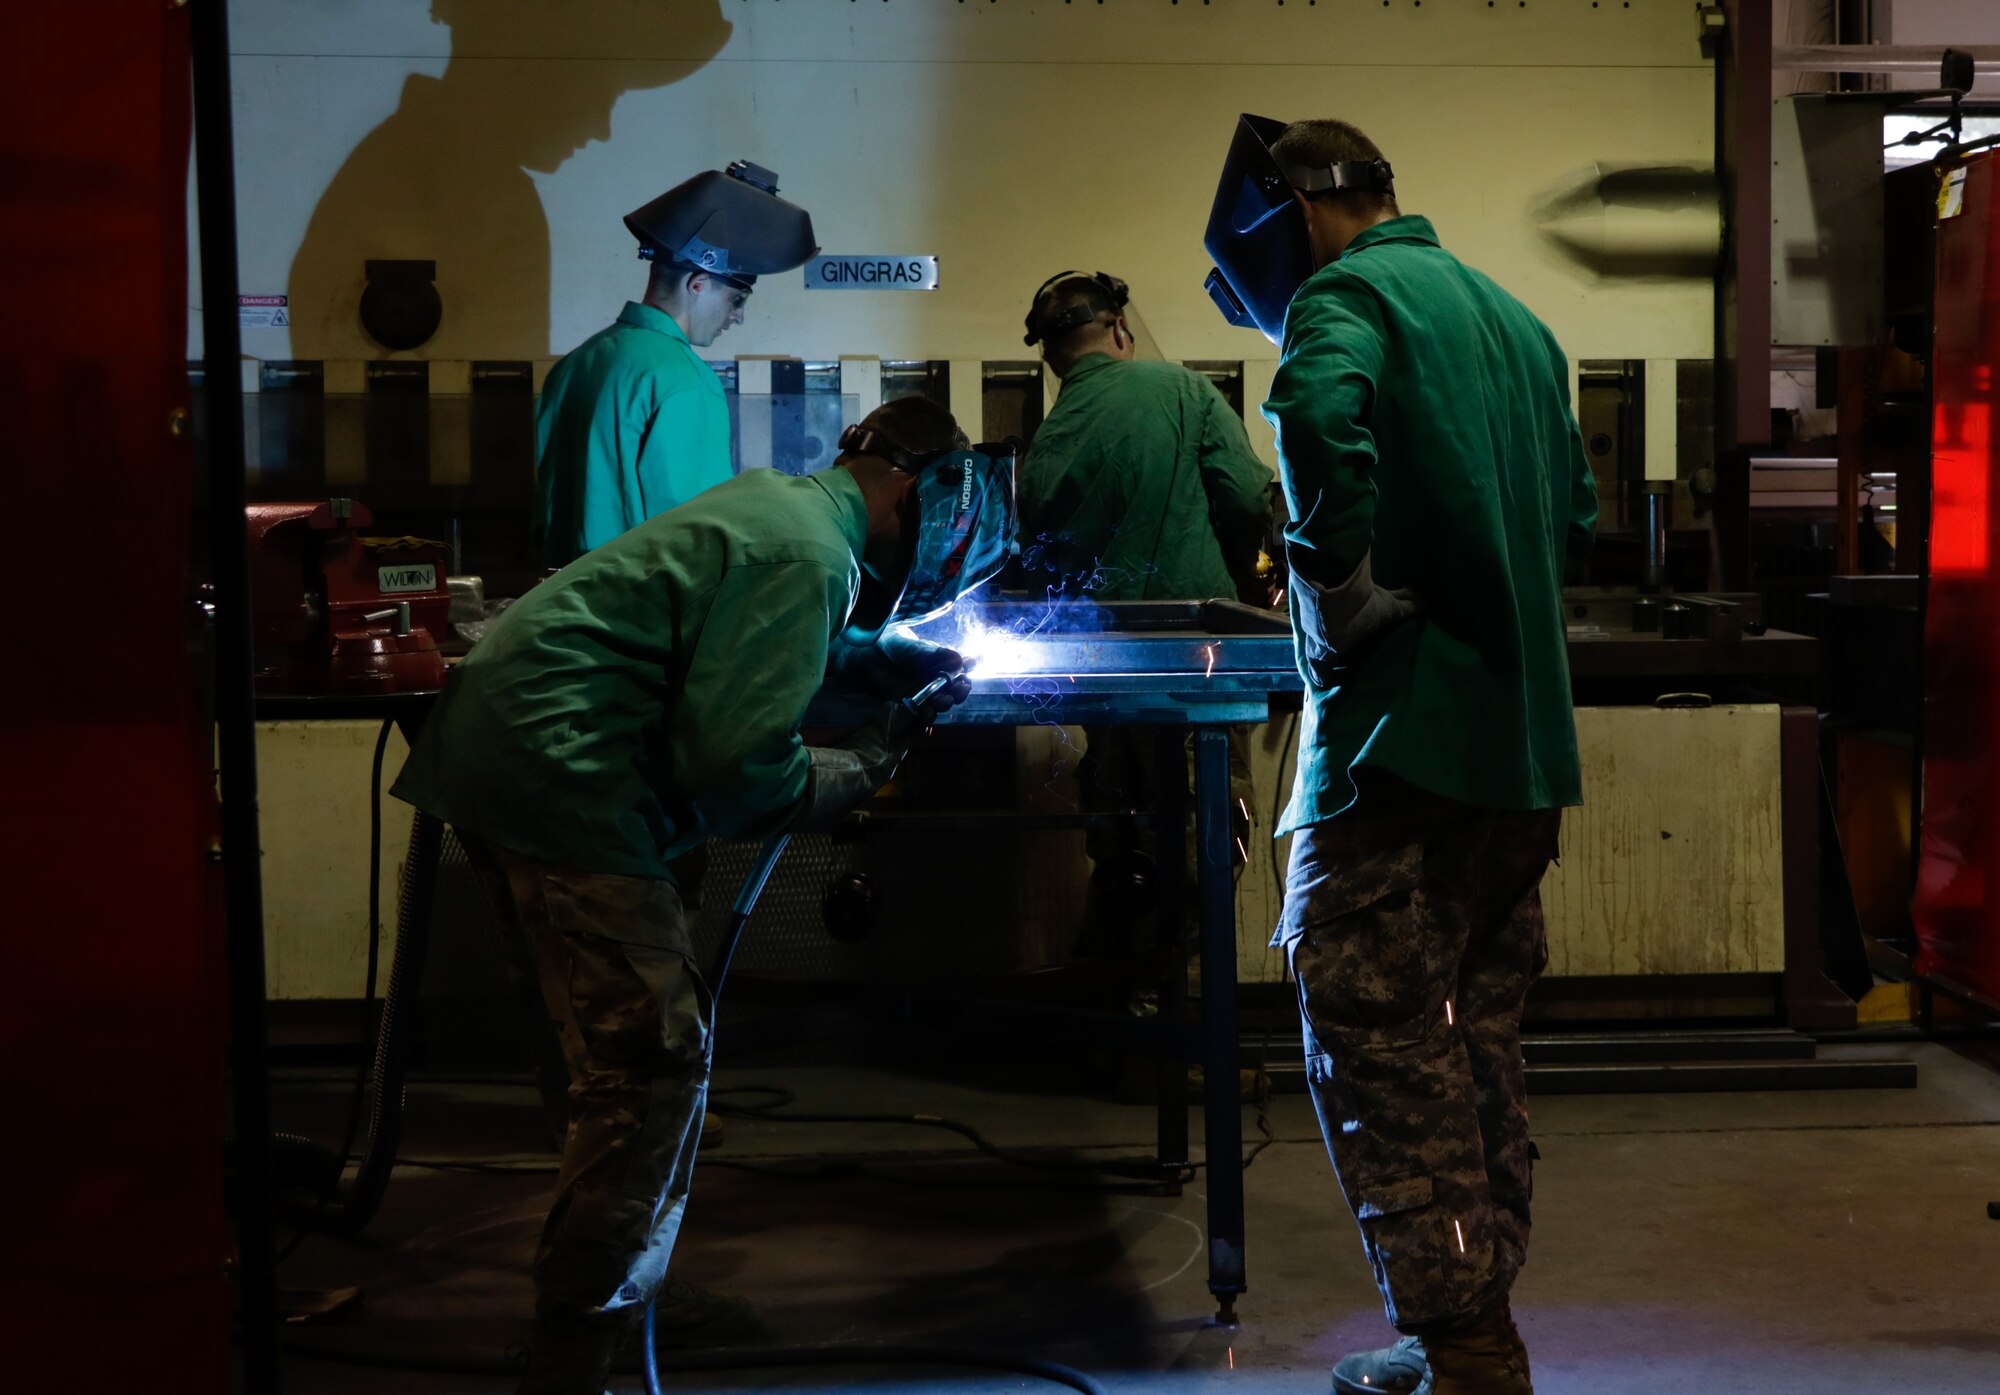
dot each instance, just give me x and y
(631, 423)
(1141, 485)
(648, 696)
(1424, 428)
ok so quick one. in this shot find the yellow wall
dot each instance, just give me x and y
(1673, 866)
(1012, 138)
(312, 797)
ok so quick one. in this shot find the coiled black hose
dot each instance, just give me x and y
(347, 1209)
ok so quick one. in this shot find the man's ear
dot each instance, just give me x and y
(696, 283)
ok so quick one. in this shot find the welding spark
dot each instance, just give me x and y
(1461, 1234)
(995, 651)
(1232, 1358)
(1244, 807)
(1211, 662)
(1242, 851)
(1278, 601)
(1449, 1020)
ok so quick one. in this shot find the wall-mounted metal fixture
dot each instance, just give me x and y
(400, 305)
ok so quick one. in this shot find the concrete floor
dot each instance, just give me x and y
(1781, 1244)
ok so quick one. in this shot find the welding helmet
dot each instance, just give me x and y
(958, 529)
(1257, 231)
(729, 223)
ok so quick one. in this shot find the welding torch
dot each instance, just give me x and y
(915, 703)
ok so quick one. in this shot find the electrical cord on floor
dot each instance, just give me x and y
(1109, 1167)
(360, 1090)
(737, 1359)
(1288, 751)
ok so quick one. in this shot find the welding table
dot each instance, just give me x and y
(1175, 666)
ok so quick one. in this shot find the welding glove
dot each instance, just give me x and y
(899, 665)
(861, 762)
(1338, 625)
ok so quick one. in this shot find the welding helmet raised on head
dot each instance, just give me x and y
(1257, 231)
(958, 529)
(729, 223)
(1097, 293)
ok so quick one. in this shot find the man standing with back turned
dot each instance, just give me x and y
(1436, 484)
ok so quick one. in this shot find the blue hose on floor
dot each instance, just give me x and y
(739, 916)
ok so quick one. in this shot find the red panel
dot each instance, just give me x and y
(112, 1006)
(1957, 912)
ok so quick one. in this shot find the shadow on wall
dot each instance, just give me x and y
(1636, 222)
(446, 178)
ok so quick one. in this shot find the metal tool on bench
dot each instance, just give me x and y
(339, 612)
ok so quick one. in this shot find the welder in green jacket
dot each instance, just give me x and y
(633, 421)
(1140, 485)
(648, 697)
(1437, 486)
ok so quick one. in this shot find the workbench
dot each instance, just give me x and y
(1177, 668)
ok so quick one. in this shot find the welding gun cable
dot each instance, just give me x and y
(739, 914)
(914, 704)
(739, 917)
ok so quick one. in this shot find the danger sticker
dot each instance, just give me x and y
(263, 312)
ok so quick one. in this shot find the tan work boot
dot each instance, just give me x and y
(1486, 1358)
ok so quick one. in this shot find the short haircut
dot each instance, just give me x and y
(918, 425)
(1068, 294)
(668, 276)
(1318, 144)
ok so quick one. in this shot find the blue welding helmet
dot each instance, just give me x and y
(959, 524)
(729, 223)
(1257, 231)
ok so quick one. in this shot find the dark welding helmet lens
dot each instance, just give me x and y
(965, 525)
(959, 525)
(1256, 232)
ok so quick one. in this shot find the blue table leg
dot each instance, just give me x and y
(1216, 887)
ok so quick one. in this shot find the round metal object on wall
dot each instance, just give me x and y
(400, 305)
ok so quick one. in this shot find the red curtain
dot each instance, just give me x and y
(1957, 911)
(112, 1008)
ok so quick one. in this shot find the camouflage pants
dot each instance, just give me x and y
(618, 977)
(1416, 929)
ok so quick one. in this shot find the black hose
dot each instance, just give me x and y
(295, 1144)
(347, 1210)
(363, 1198)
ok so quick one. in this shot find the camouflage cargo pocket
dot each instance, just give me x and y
(1363, 960)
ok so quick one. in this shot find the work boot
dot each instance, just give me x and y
(570, 1356)
(1486, 1358)
(1396, 1370)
